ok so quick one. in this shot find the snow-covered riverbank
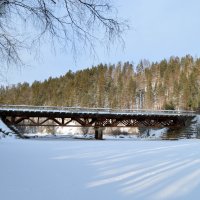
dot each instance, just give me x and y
(109, 169)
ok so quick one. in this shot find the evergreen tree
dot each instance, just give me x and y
(173, 83)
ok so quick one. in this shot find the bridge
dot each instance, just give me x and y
(22, 115)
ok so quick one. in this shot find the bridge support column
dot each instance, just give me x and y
(98, 133)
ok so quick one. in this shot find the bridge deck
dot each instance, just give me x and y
(44, 110)
(92, 117)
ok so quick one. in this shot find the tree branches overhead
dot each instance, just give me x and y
(70, 22)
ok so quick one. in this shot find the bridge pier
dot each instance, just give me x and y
(98, 133)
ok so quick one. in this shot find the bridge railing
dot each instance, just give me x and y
(94, 110)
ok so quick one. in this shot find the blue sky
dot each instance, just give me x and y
(159, 29)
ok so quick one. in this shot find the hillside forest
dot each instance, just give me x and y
(172, 83)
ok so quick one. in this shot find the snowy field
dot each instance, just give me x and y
(96, 170)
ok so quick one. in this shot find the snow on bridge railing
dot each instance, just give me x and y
(94, 110)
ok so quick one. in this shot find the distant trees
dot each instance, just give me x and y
(170, 84)
(169, 106)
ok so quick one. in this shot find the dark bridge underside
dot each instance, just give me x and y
(97, 118)
(89, 119)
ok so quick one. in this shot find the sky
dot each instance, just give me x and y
(158, 29)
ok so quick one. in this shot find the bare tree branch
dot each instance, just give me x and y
(70, 22)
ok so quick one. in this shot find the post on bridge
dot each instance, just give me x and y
(98, 133)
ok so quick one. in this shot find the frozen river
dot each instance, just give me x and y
(97, 170)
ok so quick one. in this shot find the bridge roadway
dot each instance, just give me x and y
(22, 115)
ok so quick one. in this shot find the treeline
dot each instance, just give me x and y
(168, 84)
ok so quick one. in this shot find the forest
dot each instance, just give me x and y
(172, 83)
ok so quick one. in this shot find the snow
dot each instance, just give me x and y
(109, 169)
(4, 129)
(100, 111)
(83, 132)
(154, 133)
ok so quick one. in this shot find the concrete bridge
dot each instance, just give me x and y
(22, 115)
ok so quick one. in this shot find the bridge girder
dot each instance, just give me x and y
(151, 122)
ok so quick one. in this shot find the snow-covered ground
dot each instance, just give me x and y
(4, 130)
(95, 170)
(4, 127)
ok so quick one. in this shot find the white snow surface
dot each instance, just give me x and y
(95, 170)
(155, 133)
(4, 128)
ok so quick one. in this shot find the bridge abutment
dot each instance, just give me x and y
(98, 133)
